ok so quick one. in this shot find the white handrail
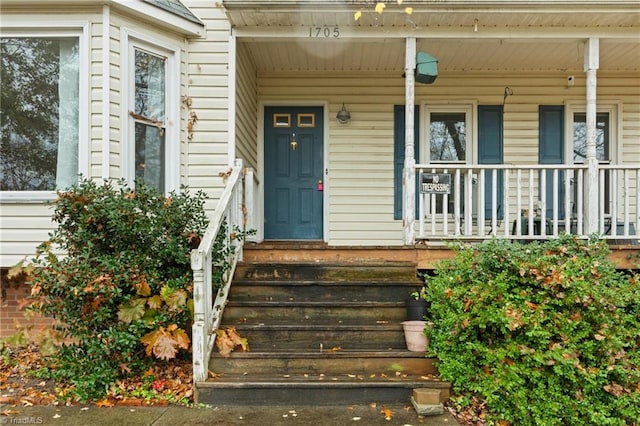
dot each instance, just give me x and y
(229, 216)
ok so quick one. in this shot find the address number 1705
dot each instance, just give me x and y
(324, 32)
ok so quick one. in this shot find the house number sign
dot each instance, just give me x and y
(435, 183)
(324, 32)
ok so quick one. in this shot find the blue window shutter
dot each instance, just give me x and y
(491, 151)
(398, 155)
(551, 150)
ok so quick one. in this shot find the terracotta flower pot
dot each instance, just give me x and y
(414, 335)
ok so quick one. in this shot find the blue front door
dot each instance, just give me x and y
(293, 173)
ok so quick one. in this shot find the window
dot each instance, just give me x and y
(449, 140)
(40, 122)
(606, 146)
(149, 118)
(447, 137)
(153, 132)
(580, 137)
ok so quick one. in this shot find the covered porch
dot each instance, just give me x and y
(531, 119)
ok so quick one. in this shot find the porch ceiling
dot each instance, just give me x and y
(454, 55)
(464, 35)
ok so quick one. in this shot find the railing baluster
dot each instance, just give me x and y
(601, 209)
(531, 204)
(456, 203)
(613, 178)
(506, 219)
(468, 202)
(637, 214)
(445, 211)
(569, 177)
(519, 202)
(494, 202)
(626, 206)
(480, 186)
(542, 206)
(554, 219)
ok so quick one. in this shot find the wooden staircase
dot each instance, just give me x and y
(320, 333)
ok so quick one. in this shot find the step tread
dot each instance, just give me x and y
(322, 380)
(314, 304)
(318, 326)
(293, 282)
(327, 353)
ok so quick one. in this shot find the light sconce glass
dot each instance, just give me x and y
(343, 116)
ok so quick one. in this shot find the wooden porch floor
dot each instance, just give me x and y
(423, 256)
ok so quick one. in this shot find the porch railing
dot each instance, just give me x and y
(228, 217)
(528, 202)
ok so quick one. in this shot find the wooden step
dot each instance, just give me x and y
(313, 311)
(314, 290)
(305, 335)
(312, 389)
(329, 361)
(376, 272)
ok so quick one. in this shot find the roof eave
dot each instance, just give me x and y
(176, 23)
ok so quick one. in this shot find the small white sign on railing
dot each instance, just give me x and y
(435, 183)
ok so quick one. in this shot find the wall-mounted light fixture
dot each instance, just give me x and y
(343, 116)
(507, 92)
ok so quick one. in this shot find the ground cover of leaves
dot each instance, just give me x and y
(163, 384)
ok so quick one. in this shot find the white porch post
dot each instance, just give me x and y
(409, 170)
(591, 65)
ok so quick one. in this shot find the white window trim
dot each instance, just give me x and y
(131, 39)
(614, 108)
(61, 29)
(470, 108)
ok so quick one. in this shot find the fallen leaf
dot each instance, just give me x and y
(104, 403)
(387, 413)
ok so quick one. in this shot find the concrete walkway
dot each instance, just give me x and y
(175, 415)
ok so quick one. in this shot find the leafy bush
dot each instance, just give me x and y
(124, 286)
(543, 333)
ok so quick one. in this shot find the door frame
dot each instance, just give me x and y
(325, 157)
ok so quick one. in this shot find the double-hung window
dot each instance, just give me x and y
(41, 77)
(153, 157)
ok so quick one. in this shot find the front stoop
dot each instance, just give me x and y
(320, 333)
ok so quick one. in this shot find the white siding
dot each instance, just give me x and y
(208, 89)
(246, 104)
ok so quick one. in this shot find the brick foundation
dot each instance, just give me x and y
(12, 318)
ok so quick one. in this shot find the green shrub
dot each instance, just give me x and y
(545, 334)
(124, 286)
